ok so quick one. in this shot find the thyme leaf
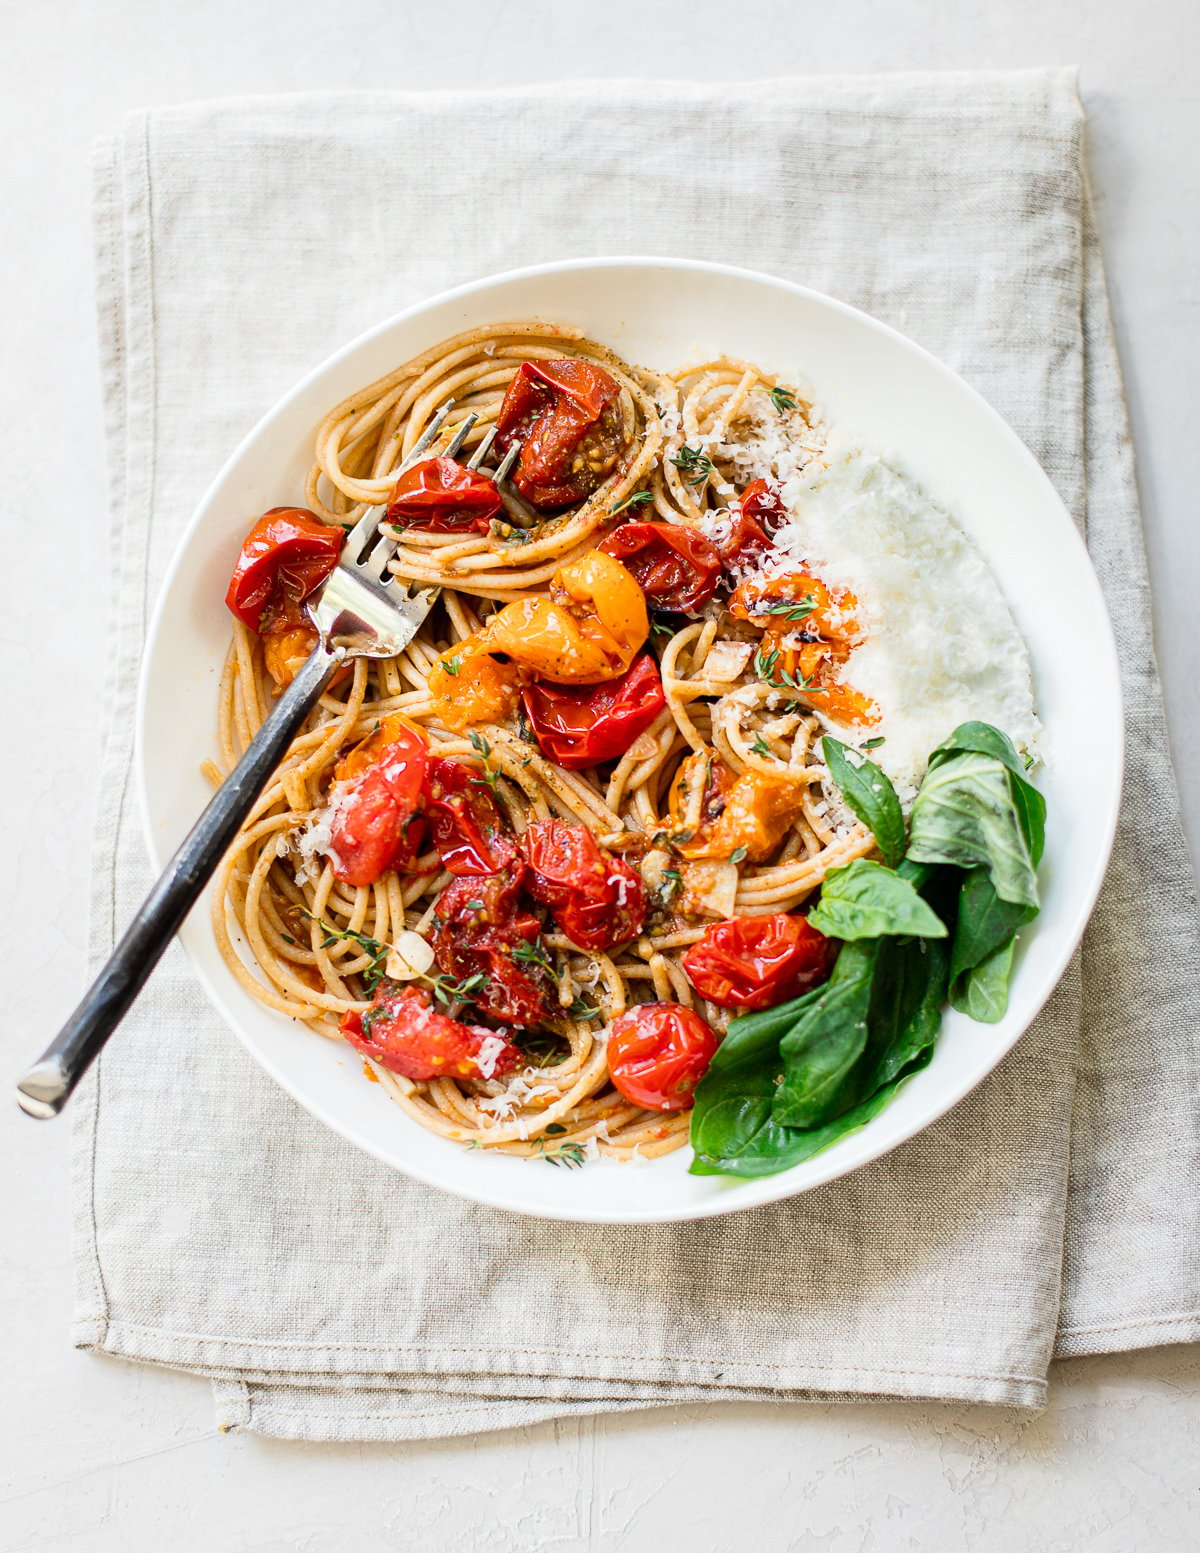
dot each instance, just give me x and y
(638, 499)
(694, 464)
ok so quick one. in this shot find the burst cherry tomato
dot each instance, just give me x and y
(757, 962)
(588, 631)
(658, 1053)
(379, 787)
(567, 414)
(402, 1032)
(597, 900)
(677, 567)
(754, 519)
(580, 726)
(286, 555)
(479, 929)
(466, 824)
(440, 496)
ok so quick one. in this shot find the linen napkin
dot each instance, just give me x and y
(220, 1229)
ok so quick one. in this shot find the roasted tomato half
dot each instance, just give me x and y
(757, 962)
(403, 1032)
(378, 789)
(676, 567)
(658, 1053)
(597, 900)
(286, 556)
(568, 417)
(753, 521)
(581, 726)
(440, 496)
(588, 631)
(483, 939)
(467, 827)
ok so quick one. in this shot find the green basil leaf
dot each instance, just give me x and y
(870, 795)
(906, 1009)
(985, 925)
(965, 814)
(983, 739)
(867, 900)
(731, 1128)
(820, 1050)
(773, 1148)
(980, 739)
(983, 991)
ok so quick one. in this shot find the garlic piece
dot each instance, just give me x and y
(410, 956)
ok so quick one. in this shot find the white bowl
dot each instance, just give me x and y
(900, 401)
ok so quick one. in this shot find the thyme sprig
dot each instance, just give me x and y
(637, 499)
(446, 989)
(783, 399)
(491, 777)
(694, 464)
(790, 609)
(764, 666)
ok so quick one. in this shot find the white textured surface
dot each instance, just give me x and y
(97, 1456)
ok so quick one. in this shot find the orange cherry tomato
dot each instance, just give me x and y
(402, 1032)
(588, 632)
(469, 687)
(658, 1053)
(760, 809)
(759, 962)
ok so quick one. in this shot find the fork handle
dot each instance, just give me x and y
(45, 1088)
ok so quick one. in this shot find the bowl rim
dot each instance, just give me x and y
(741, 1193)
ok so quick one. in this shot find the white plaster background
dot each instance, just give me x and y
(97, 1456)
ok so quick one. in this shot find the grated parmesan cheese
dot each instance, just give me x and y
(940, 646)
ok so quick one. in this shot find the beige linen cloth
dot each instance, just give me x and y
(220, 1229)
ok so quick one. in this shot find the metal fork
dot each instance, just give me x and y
(361, 611)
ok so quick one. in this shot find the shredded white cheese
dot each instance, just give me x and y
(939, 645)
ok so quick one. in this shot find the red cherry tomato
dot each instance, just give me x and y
(478, 928)
(440, 496)
(567, 414)
(581, 725)
(373, 807)
(597, 900)
(402, 1032)
(677, 567)
(754, 518)
(466, 824)
(286, 555)
(758, 962)
(658, 1053)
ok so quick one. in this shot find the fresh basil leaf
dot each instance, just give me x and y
(983, 991)
(906, 1009)
(870, 795)
(985, 925)
(821, 1048)
(983, 739)
(965, 814)
(867, 900)
(731, 1127)
(773, 1148)
(980, 739)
